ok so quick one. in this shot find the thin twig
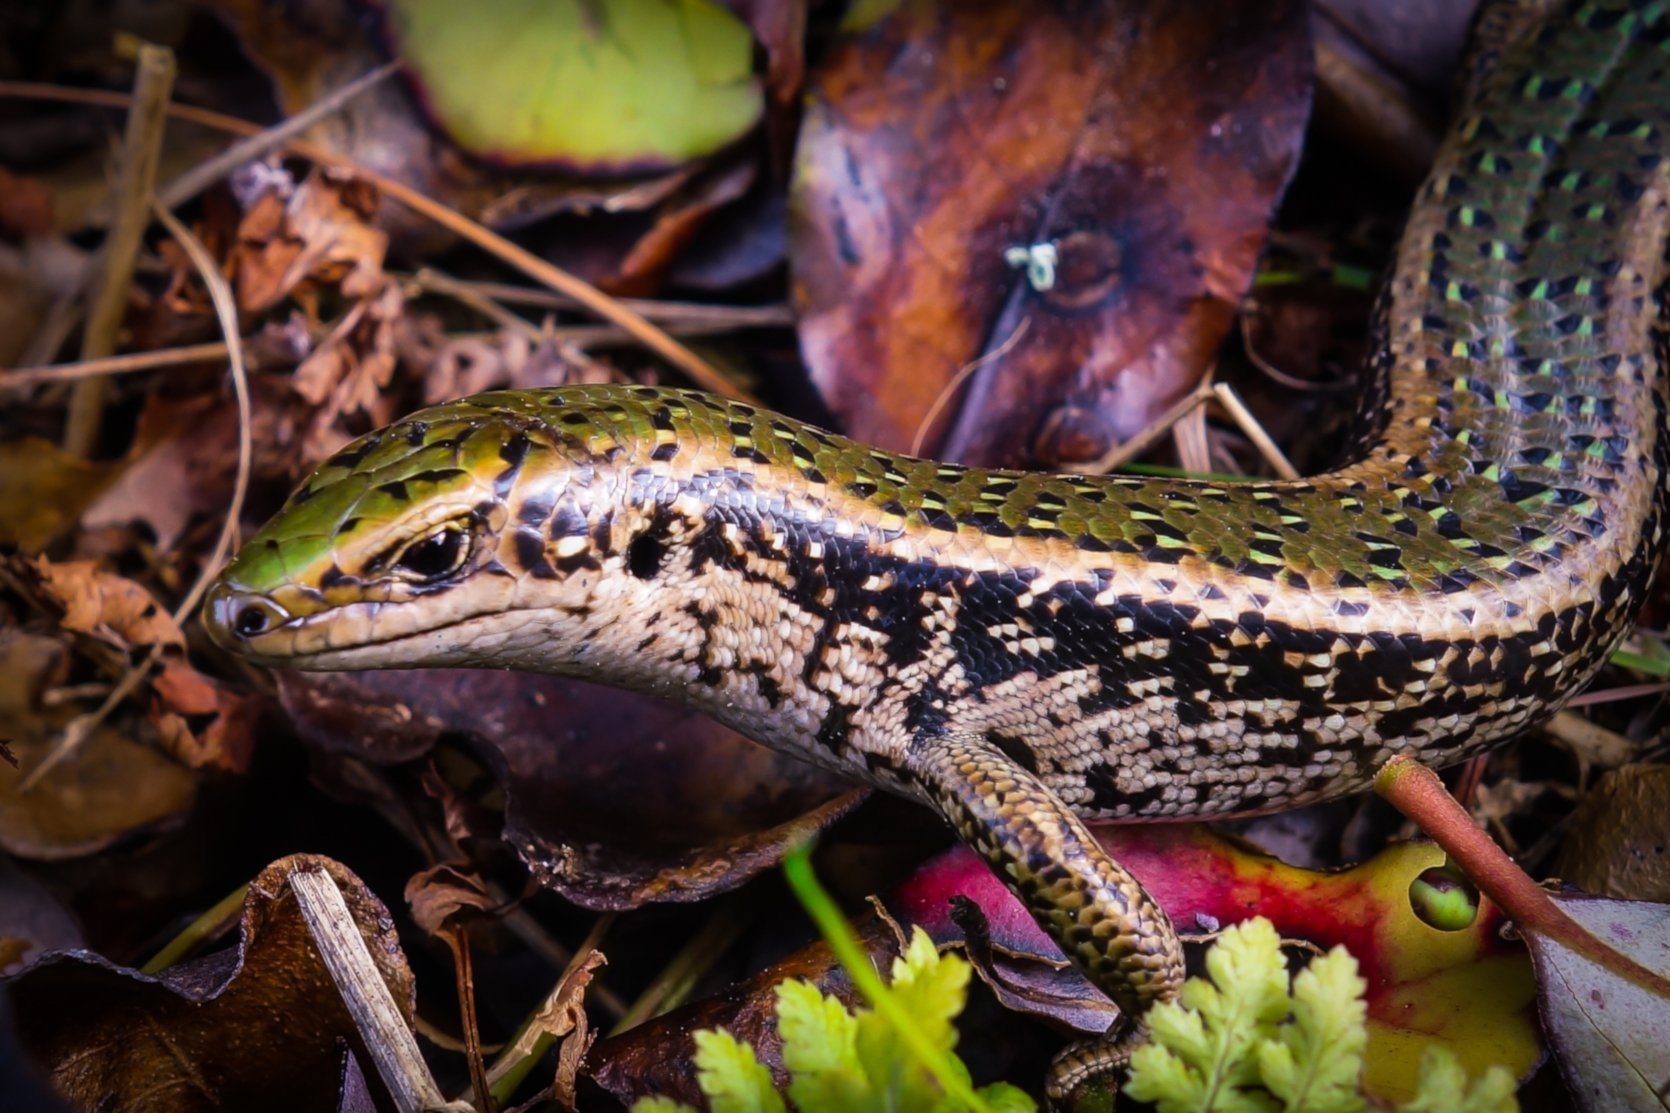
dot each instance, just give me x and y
(209, 925)
(668, 989)
(669, 313)
(206, 174)
(57, 323)
(1417, 792)
(1271, 371)
(457, 939)
(1612, 695)
(584, 294)
(1193, 443)
(114, 365)
(1230, 401)
(466, 294)
(226, 310)
(141, 149)
(946, 393)
(1120, 455)
(381, 1026)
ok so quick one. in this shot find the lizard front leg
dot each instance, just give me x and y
(1093, 908)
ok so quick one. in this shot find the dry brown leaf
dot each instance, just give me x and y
(201, 721)
(115, 788)
(1064, 200)
(43, 490)
(260, 1027)
(198, 720)
(719, 809)
(322, 234)
(440, 893)
(1607, 1031)
(347, 372)
(176, 468)
(106, 606)
(1618, 841)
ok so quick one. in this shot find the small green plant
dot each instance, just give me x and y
(1242, 1040)
(896, 1054)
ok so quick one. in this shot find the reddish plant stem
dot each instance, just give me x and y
(1417, 792)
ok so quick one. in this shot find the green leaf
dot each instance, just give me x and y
(660, 1104)
(732, 1076)
(1444, 1088)
(932, 988)
(609, 86)
(820, 1051)
(1207, 1041)
(880, 1033)
(896, 1056)
(1314, 1063)
(1241, 1043)
(1000, 1097)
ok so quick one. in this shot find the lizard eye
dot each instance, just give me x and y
(434, 556)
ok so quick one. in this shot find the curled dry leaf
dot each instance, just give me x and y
(200, 721)
(1618, 841)
(467, 365)
(1467, 989)
(676, 223)
(1092, 265)
(116, 787)
(347, 373)
(1026, 983)
(321, 233)
(259, 1027)
(110, 608)
(562, 1017)
(579, 809)
(626, 249)
(441, 893)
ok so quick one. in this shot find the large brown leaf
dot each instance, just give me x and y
(255, 1028)
(1147, 143)
(612, 800)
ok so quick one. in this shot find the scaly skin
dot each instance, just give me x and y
(1022, 650)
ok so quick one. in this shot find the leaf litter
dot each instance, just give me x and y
(995, 326)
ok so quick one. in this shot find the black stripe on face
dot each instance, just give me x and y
(536, 508)
(530, 554)
(567, 521)
(512, 452)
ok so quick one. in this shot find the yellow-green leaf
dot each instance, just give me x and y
(606, 86)
(732, 1076)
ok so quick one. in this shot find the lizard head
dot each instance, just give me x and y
(467, 534)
